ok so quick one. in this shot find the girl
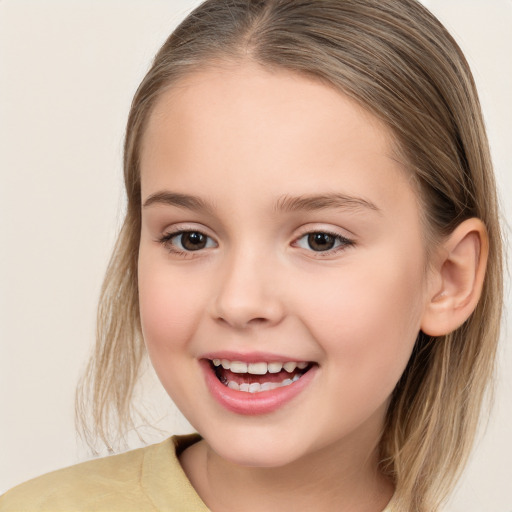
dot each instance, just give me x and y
(311, 255)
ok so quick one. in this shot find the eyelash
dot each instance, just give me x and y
(165, 240)
(343, 242)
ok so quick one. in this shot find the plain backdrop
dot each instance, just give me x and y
(68, 70)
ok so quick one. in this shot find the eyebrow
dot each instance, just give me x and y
(285, 203)
(324, 201)
(180, 200)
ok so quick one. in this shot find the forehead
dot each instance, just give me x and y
(243, 124)
(228, 90)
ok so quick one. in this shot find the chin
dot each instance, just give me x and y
(268, 451)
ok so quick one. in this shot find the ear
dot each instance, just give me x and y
(456, 283)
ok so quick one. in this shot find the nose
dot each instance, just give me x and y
(247, 294)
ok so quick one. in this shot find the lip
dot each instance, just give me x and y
(252, 404)
(253, 357)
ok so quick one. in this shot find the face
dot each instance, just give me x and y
(282, 264)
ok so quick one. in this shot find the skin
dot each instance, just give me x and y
(241, 138)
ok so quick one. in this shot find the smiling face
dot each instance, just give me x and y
(276, 228)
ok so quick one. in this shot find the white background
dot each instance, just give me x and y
(68, 70)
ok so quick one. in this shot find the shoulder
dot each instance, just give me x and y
(82, 484)
(115, 483)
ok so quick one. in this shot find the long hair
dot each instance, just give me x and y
(395, 59)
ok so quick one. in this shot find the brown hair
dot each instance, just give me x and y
(395, 59)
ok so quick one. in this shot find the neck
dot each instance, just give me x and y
(344, 477)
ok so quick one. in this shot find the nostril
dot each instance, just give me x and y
(252, 321)
(258, 320)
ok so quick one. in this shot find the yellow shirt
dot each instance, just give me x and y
(148, 479)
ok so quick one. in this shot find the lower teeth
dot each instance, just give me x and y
(256, 387)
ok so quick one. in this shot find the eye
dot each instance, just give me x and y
(187, 241)
(320, 241)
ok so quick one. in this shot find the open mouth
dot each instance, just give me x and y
(259, 376)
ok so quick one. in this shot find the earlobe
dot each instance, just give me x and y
(457, 280)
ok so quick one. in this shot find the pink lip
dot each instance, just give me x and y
(252, 357)
(253, 404)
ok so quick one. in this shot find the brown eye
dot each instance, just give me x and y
(193, 240)
(321, 241)
(187, 241)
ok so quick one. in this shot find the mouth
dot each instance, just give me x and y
(258, 377)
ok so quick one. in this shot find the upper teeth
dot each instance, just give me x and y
(260, 368)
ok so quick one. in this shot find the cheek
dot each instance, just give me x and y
(169, 310)
(169, 307)
(369, 320)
